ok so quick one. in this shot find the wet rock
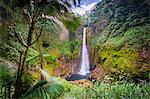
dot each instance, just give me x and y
(97, 74)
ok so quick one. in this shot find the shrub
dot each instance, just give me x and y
(117, 90)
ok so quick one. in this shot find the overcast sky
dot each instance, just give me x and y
(85, 5)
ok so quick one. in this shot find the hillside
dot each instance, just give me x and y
(121, 34)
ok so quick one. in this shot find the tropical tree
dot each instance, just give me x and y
(32, 11)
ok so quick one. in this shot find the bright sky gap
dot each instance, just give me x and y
(86, 5)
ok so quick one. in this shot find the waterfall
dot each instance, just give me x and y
(85, 69)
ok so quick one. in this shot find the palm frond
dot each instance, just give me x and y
(44, 90)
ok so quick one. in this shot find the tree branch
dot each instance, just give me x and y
(20, 39)
(27, 16)
(37, 12)
(37, 37)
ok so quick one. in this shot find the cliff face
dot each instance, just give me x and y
(64, 33)
(121, 32)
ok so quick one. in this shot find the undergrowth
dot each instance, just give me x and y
(117, 90)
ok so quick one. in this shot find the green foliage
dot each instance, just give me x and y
(47, 24)
(6, 9)
(72, 23)
(134, 36)
(68, 47)
(122, 50)
(34, 58)
(9, 50)
(10, 47)
(126, 23)
(71, 91)
(5, 73)
(27, 83)
(123, 60)
(121, 38)
(121, 90)
(118, 90)
(50, 58)
(50, 32)
(65, 48)
(75, 92)
(7, 79)
(44, 90)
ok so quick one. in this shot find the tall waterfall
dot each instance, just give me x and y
(85, 69)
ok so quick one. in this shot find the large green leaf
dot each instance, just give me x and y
(44, 90)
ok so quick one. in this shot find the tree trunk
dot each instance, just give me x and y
(41, 59)
(20, 73)
(41, 54)
(5, 92)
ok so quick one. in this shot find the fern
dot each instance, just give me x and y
(44, 90)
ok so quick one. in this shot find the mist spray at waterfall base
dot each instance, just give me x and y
(48, 77)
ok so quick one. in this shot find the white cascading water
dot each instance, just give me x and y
(45, 74)
(85, 69)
